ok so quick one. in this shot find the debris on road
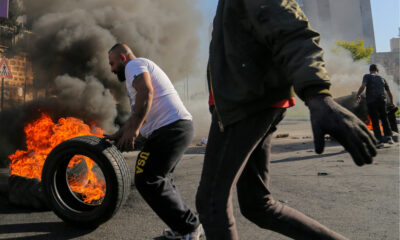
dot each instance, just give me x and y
(203, 142)
(282, 135)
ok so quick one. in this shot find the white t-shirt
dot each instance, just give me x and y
(167, 107)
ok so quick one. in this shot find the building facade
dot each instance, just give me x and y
(346, 20)
(391, 60)
(20, 88)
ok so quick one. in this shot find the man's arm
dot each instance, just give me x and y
(284, 29)
(390, 96)
(360, 90)
(143, 102)
(388, 92)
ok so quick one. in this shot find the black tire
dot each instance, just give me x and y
(27, 193)
(64, 202)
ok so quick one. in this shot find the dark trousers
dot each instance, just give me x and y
(153, 175)
(377, 111)
(241, 156)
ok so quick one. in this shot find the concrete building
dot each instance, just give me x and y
(346, 20)
(350, 20)
(391, 60)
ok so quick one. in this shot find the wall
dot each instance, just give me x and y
(390, 60)
(341, 19)
(18, 89)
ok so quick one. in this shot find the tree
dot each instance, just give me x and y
(357, 49)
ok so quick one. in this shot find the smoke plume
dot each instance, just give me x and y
(73, 38)
(346, 74)
(70, 47)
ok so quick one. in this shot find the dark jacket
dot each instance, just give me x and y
(262, 50)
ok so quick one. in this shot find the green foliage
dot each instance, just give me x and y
(398, 111)
(356, 48)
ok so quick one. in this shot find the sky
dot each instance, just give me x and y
(385, 14)
(386, 18)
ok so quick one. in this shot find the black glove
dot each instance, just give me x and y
(328, 117)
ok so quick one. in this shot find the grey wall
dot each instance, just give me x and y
(341, 19)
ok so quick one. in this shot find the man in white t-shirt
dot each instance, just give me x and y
(159, 115)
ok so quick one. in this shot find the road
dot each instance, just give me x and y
(359, 202)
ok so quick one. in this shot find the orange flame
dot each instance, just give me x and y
(369, 124)
(42, 136)
(89, 186)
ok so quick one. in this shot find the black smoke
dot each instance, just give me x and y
(69, 49)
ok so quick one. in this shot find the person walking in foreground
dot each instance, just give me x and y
(159, 115)
(262, 50)
(376, 103)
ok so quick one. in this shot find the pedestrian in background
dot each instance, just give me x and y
(376, 102)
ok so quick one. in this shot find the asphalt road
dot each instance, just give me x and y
(359, 202)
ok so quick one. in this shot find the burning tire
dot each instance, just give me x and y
(26, 192)
(70, 204)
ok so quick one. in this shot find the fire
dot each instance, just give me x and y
(42, 136)
(89, 186)
(369, 124)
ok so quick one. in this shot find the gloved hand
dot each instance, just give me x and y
(328, 117)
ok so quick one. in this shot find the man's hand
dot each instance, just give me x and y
(328, 117)
(124, 139)
(358, 98)
(113, 137)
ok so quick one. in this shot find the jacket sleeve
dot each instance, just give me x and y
(282, 26)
